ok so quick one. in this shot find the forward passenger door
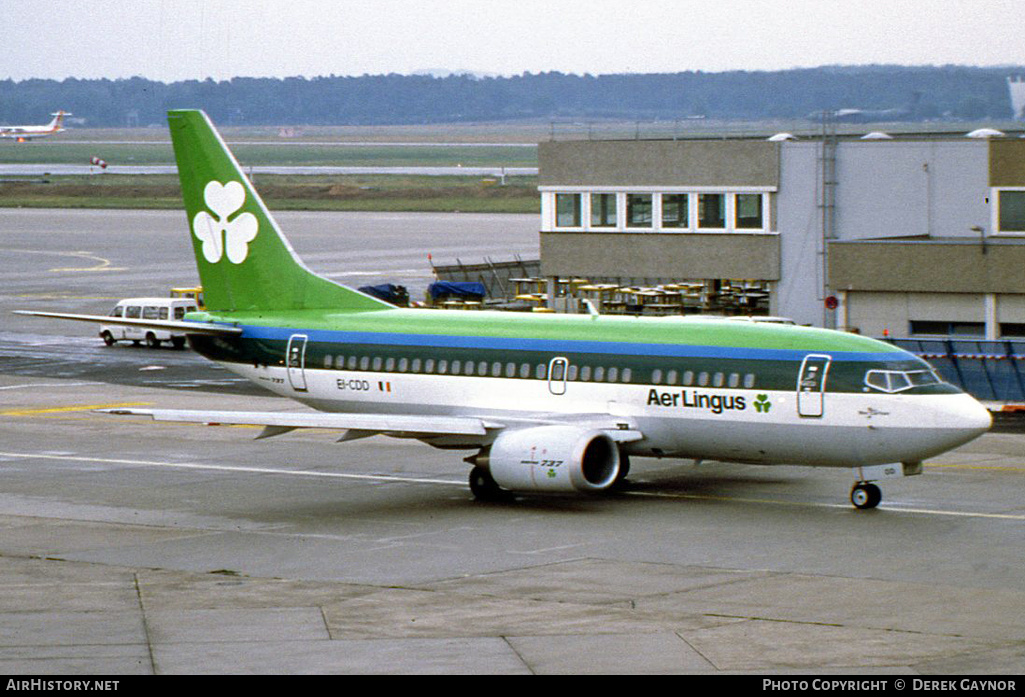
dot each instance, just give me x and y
(811, 385)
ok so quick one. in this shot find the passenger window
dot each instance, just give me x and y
(377, 363)
(671, 377)
(415, 365)
(599, 374)
(703, 379)
(749, 380)
(525, 370)
(429, 366)
(179, 313)
(351, 363)
(613, 374)
(656, 377)
(718, 379)
(389, 365)
(571, 372)
(627, 373)
(133, 312)
(541, 372)
(585, 373)
(403, 365)
(496, 370)
(688, 377)
(163, 313)
(117, 311)
(510, 370)
(456, 367)
(734, 380)
(364, 363)
(442, 367)
(328, 361)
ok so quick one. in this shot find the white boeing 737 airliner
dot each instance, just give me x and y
(545, 403)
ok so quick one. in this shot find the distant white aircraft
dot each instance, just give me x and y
(24, 133)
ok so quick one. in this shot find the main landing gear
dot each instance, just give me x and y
(484, 487)
(866, 495)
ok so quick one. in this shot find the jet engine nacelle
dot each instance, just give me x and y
(552, 459)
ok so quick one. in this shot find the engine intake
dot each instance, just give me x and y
(552, 459)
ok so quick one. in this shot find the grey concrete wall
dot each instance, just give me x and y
(966, 266)
(671, 256)
(658, 163)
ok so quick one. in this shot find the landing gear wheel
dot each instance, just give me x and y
(484, 487)
(866, 495)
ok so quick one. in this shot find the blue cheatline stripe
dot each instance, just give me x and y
(559, 345)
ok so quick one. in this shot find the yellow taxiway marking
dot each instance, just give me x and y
(995, 468)
(887, 508)
(100, 265)
(72, 408)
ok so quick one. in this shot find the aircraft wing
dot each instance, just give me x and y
(170, 325)
(357, 425)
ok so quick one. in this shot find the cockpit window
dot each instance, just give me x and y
(899, 380)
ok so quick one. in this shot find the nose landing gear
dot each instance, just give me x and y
(866, 495)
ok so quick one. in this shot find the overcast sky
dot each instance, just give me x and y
(171, 40)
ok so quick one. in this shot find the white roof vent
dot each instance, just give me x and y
(985, 133)
(877, 135)
(782, 136)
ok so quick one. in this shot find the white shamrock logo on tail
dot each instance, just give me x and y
(221, 237)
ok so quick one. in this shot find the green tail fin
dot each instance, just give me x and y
(244, 261)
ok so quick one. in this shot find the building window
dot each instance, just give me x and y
(675, 210)
(712, 211)
(1014, 330)
(748, 214)
(603, 210)
(943, 328)
(638, 210)
(1011, 206)
(567, 210)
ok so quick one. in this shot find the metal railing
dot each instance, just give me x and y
(987, 370)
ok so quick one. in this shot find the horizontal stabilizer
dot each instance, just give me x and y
(169, 325)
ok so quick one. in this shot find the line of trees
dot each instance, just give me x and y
(934, 92)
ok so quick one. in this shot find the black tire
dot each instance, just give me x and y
(484, 487)
(866, 495)
(178, 342)
(108, 338)
(152, 341)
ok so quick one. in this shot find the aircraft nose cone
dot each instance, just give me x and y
(965, 419)
(979, 419)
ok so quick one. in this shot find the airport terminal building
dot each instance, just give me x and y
(898, 235)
